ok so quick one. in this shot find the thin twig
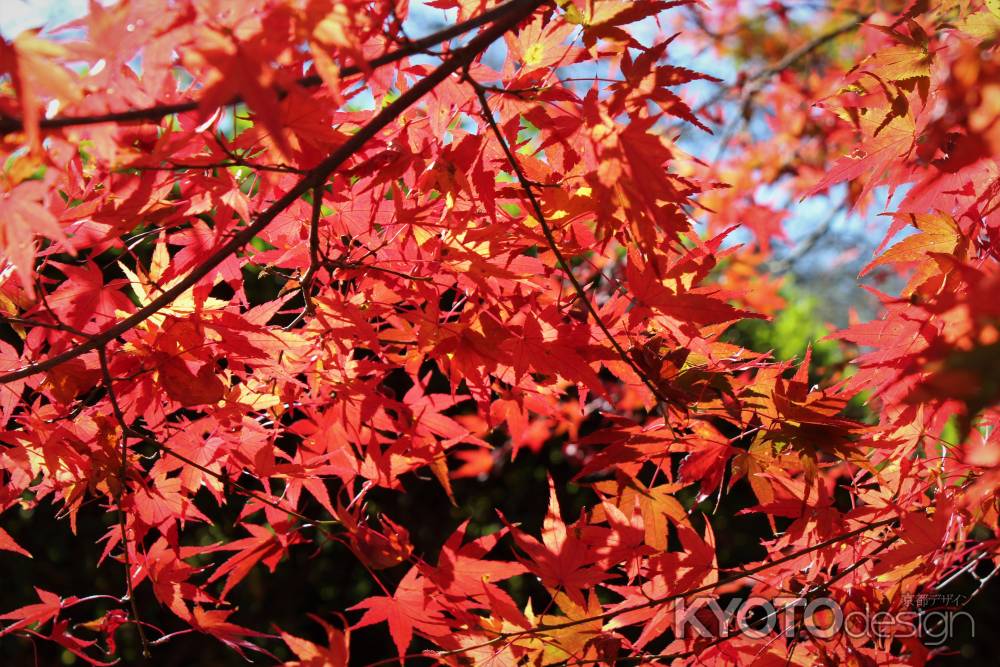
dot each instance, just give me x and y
(242, 161)
(56, 326)
(653, 602)
(550, 238)
(805, 246)
(791, 58)
(177, 166)
(960, 571)
(102, 355)
(680, 655)
(360, 266)
(128, 430)
(250, 493)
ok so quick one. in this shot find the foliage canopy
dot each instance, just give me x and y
(271, 270)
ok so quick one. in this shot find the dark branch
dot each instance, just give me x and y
(159, 111)
(515, 12)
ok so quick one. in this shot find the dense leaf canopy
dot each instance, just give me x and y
(492, 319)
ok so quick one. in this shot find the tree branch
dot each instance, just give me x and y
(515, 12)
(159, 111)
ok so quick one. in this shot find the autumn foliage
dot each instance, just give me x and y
(269, 266)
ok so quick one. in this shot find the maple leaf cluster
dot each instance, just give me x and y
(272, 263)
